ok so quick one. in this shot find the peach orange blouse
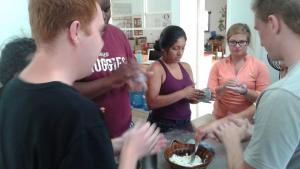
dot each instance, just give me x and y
(254, 74)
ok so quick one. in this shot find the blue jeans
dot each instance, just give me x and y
(165, 124)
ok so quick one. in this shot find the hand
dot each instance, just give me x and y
(213, 96)
(205, 131)
(239, 89)
(239, 122)
(191, 93)
(138, 84)
(233, 82)
(102, 109)
(229, 131)
(161, 143)
(125, 72)
(142, 139)
(200, 94)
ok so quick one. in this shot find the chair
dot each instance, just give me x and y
(218, 46)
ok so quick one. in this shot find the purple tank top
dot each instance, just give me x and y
(179, 110)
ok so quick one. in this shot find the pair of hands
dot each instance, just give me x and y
(233, 128)
(143, 139)
(195, 94)
(130, 74)
(235, 85)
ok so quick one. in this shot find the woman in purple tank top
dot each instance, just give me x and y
(171, 87)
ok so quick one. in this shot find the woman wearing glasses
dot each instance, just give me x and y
(238, 79)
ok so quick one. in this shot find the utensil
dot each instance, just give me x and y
(193, 155)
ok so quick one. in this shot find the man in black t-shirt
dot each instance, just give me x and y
(44, 122)
(51, 125)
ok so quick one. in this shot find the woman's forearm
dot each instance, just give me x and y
(251, 96)
(165, 100)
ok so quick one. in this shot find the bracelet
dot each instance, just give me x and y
(244, 93)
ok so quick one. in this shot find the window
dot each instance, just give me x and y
(140, 17)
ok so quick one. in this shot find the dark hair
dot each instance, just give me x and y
(168, 37)
(15, 56)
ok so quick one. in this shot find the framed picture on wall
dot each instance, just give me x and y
(207, 21)
(137, 22)
(138, 32)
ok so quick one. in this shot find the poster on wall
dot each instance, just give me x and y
(120, 23)
(157, 22)
(166, 20)
(160, 20)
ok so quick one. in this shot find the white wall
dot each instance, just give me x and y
(191, 23)
(203, 63)
(14, 19)
(158, 5)
(188, 22)
(152, 35)
(240, 12)
(214, 6)
(175, 8)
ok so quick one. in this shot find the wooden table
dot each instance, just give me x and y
(184, 133)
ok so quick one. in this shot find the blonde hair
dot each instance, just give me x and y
(49, 17)
(239, 28)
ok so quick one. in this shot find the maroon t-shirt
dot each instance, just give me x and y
(116, 51)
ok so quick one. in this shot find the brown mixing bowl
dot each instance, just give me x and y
(182, 148)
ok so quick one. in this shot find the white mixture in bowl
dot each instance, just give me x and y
(185, 160)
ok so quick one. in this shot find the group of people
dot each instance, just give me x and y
(274, 132)
(45, 119)
(48, 115)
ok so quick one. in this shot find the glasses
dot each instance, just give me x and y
(241, 43)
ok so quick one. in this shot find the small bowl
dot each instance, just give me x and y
(182, 148)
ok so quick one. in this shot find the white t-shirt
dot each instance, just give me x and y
(276, 138)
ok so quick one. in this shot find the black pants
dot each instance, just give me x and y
(165, 124)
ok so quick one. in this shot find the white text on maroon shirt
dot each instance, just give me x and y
(108, 64)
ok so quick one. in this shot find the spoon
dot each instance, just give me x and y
(193, 155)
